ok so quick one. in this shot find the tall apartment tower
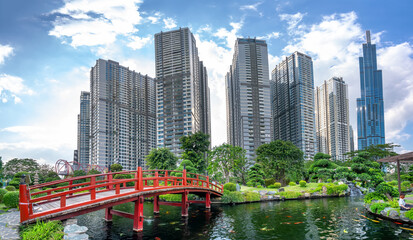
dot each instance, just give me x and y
(332, 118)
(123, 120)
(182, 93)
(370, 107)
(83, 129)
(292, 101)
(351, 139)
(248, 96)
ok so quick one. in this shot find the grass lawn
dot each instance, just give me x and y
(297, 188)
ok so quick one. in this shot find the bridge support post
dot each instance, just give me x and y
(138, 215)
(24, 200)
(156, 204)
(184, 204)
(208, 200)
(108, 214)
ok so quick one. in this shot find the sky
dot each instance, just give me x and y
(48, 47)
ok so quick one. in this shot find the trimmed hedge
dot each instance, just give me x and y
(232, 197)
(230, 187)
(252, 196)
(269, 182)
(374, 196)
(290, 194)
(11, 199)
(303, 183)
(10, 188)
(2, 193)
(292, 184)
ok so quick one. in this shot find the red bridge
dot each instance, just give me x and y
(85, 194)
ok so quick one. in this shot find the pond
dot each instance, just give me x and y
(328, 218)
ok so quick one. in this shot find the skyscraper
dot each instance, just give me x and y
(83, 129)
(370, 107)
(351, 139)
(122, 115)
(292, 102)
(182, 93)
(332, 118)
(248, 96)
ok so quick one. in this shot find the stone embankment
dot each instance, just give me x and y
(392, 214)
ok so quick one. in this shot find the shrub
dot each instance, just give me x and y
(392, 183)
(320, 185)
(250, 184)
(271, 186)
(44, 230)
(409, 214)
(230, 187)
(342, 187)
(277, 185)
(233, 197)
(290, 194)
(405, 185)
(38, 195)
(259, 186)
(384, 189)
(378, 207)
(175, 197)
(252, 196)
(11, 199)
(269, 181)
(303, 183)
(125, 176)
(329, 180)
(116, 167)
(394, 203)
(10, 188)
(2, 193)
(373, 196)
(14, 183)
(292, 184)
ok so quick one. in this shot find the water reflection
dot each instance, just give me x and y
(333, 218)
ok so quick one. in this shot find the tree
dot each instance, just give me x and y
(281, 160)
(116, 167)
(377, 151)
(256, 175)
(321, 155)
(161, 158)
(20, 165)
(195, 147)
(189, 166)
(225, 160)
(93, 172)
(46, 174)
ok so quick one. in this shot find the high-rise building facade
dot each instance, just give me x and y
(248, 96)
(332, 118)
(123, 120)
(83, 128)
(370, 106)
(351, 139)
(292, 102)
(182, 93)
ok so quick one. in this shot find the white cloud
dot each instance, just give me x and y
(169, 23)
(92, 22)
(155, 17)
(253, 7)
(229, 36)
(293, 20)
(51, 133)
(5, 51)
(139, 42)
(269, 36)
(11, 87)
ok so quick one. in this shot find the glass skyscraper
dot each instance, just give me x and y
(292, 102)
(370, 109)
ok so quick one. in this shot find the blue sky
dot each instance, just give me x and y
(48, 47)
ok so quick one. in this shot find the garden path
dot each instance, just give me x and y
(9, 225)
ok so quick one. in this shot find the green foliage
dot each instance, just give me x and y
(226, 160)
(195, 147)
(405, 185)
(259, 186)
(252, 196)
(250, 184)
(20, 165)
(321, 155)
(392, 183)
(38, 195)
(79, 173)
(232, 197)
(303, 183)
(269, 181)
(373, 196)
(256, 174)
(376, 151)
(125, 176)
(230, 187)
(116, 167)
(189, 166)
(409, 214)
(321, 168)
(271, 186)
(378, 207)
(292, 184)
(43, 230)
(161, 158)
(1, 184)
(175, 197)
(10, 188)
(11, 199)
(93, 172)
(2, 193)
(394, 203)
(384, 189)
(277, 185)
(281, 159)
(329, 180)
(290, 194)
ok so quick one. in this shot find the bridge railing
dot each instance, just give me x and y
(64, 189)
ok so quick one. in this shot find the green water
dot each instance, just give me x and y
(332, 218)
